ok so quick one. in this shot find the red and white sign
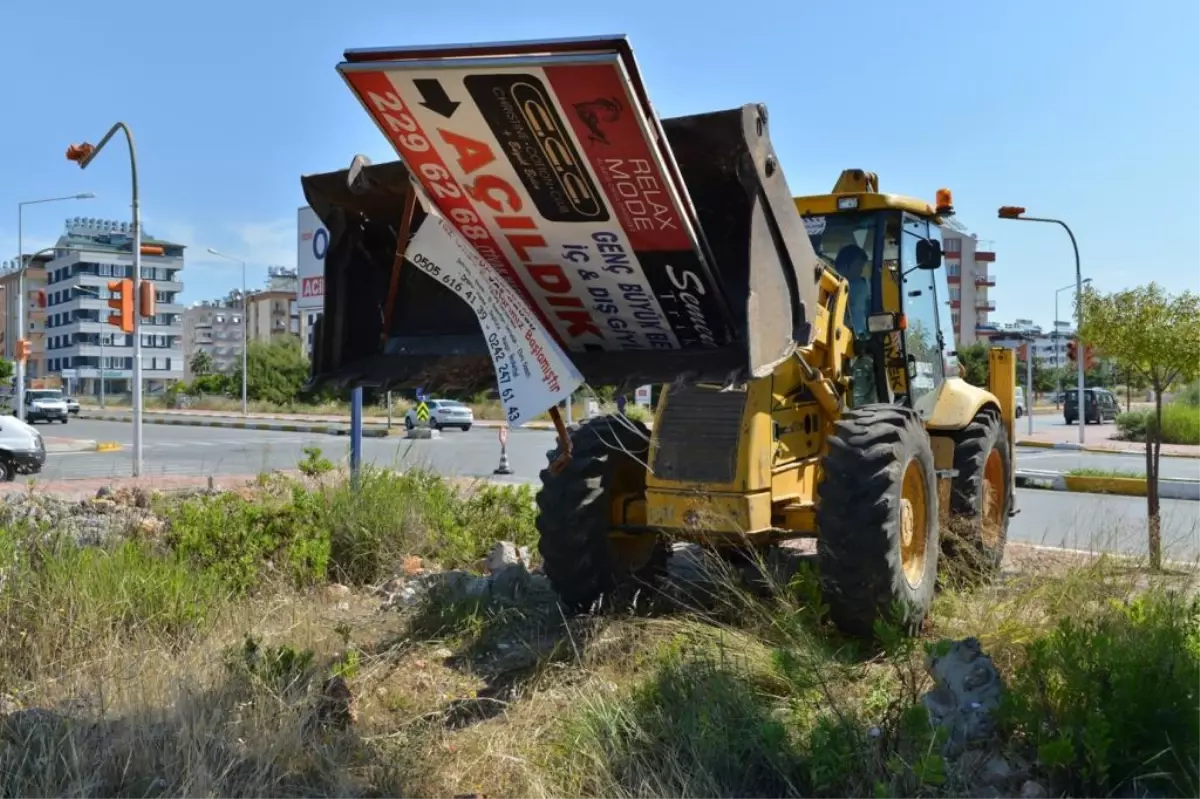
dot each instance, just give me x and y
(548, 167)
(532, 371)
(312, 287)
(313, 241)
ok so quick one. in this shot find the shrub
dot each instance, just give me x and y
(1181, 424)
(394, 514)
(237, 541)
(1114, 698)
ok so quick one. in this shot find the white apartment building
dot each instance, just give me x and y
(969, 275)
(80, 343)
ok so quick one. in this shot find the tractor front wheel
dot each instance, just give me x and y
(877, 520)
(585, 561)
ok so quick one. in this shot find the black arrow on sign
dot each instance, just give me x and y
(434, 97)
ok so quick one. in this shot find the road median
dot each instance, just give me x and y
(237, 424)
(1131, 486)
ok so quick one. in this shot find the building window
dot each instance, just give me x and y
(952, 245)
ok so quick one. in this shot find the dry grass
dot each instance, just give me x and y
(727, 688)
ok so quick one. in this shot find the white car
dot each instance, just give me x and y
(45, 404)
(1020, 402)
(22, 450)
(442, 413)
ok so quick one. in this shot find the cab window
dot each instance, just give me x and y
(922, 335)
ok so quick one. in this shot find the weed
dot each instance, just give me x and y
(314, 464)
(1110, 700)
(1180, 424)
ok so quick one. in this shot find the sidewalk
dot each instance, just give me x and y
(61, 444)
(87, 488)
(286, 422)
(1097, 440)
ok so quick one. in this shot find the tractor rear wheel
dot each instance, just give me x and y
(584, 561)
(980, 498)
(877, 520)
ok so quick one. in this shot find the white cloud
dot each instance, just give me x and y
(270, 243)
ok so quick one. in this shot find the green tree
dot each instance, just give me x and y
(974, 360)
(276, 370)
(1154, 334)
(6, 369)
(202, 363)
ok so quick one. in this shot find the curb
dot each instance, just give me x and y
(108, 446)
(1073, 447)
(1168, 488)
(279, 428)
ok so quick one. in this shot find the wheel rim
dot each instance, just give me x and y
(914, 515)
(993, 498)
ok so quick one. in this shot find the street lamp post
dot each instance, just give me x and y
(1018, 214)
(245, 323)
(83, 155)
(1057, 349)
(21, 298)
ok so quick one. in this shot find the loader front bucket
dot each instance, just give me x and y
(653, 251)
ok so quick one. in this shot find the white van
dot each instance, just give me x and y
(22, 450)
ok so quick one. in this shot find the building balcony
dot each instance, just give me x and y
(985, 305)
(985, 280)
(955, 303)
(985, 256)
(953, 278)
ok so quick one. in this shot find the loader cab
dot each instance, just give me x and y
(901, 344)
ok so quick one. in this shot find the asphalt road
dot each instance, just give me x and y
(1073, 521)
(1065, 461)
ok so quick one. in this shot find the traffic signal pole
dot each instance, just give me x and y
(83, 155)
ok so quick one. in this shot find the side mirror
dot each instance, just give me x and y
(929, 254)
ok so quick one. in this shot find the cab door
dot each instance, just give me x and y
(923, 337)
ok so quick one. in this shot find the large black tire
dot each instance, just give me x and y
(8, 469)
(976, 544)
(573, 516)
(860, 517)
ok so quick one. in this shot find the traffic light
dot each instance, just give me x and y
(1011, 212)
(1089, 357)
(146, 305)
(122, 303)
(23, 349)
(1071, 350)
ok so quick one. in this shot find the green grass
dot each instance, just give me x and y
(199, 658)
(1121, 473)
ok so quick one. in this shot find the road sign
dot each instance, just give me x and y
(642, 395)
(568, 142)
(422, 412)
(420, 394)
(503, 435)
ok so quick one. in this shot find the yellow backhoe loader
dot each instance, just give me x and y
(810, 389)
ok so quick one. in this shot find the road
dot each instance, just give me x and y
(1065, 461)
(1074, 521)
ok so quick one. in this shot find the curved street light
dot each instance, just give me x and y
(1017, 213)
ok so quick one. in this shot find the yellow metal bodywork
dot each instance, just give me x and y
(788, 416)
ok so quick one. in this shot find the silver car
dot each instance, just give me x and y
(442, 413)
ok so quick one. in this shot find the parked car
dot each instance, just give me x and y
(1099, 406)
(72, 405)
(1020, 397)
(442, 413)
(45, 404)
(22, 450)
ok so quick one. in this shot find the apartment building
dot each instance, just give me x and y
(80, 344)
(273, 312)
(35, 314)
(968, 262)
(215, 328)
(1049, 347)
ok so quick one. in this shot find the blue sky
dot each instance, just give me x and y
(1088, 110)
